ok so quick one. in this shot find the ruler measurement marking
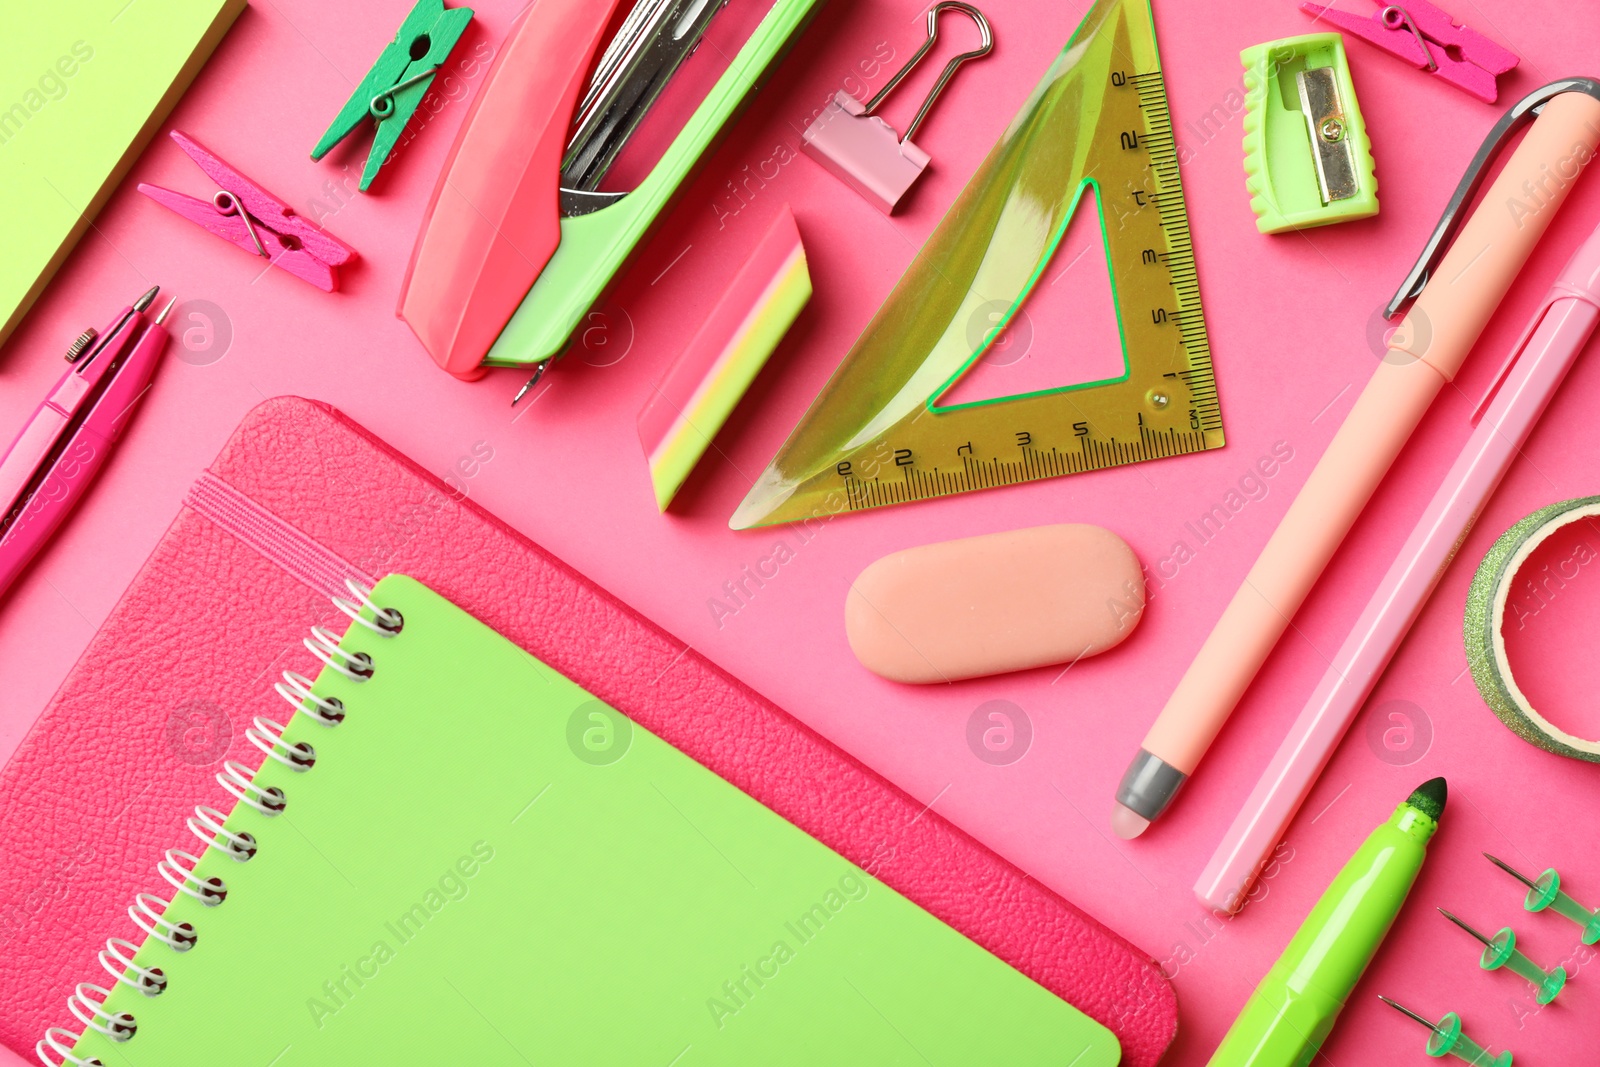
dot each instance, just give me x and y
(1101, 448)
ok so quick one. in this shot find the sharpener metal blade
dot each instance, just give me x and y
(1331, 147)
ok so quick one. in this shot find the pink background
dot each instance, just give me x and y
(1291, 320)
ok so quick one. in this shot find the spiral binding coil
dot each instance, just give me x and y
(267, 735)
(177, 868)
(296, 689)
(206, 824)
(324, 644)
(385, 621)
(152, 981)
(236, 779)
(119, 1027)
(180, 937)
(210, 892)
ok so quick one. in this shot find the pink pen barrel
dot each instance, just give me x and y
(1564, 325)
(81, 456)
(36, 440)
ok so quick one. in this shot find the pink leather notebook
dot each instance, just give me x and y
(299, 500)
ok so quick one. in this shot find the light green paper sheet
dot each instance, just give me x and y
(486, 865)
(84, 85)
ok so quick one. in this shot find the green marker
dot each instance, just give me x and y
(1294, 1007)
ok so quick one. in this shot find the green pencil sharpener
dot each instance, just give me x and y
(1307, 159)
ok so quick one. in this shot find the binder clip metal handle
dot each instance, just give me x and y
(985, 46)
(865, 152)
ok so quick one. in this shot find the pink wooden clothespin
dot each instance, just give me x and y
(1429, 39)
(244, 214)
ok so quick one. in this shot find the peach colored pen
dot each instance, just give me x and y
(1453, 303)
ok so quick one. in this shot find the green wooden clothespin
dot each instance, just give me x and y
(398, 81)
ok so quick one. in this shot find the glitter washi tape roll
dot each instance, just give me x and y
(1486, 611)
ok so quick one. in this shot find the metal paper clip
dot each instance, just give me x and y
(865, 152)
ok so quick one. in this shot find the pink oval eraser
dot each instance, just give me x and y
(997, 603)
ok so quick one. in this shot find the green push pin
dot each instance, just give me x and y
(1501, 951)
(1446, 1038)
(1547, 893)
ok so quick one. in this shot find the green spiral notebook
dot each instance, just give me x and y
(484, 864)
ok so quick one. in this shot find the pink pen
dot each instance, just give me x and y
(1559, 331)
(57, 454)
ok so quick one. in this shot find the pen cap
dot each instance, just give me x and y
(1496, 241)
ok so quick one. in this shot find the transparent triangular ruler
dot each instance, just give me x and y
(1095, 135)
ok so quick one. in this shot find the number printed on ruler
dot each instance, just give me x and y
(1167, 403)
(1095, 137)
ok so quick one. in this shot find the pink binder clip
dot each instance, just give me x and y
(243, 213)
(861, 149)
(1429, 39)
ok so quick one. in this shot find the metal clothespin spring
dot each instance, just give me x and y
(382, 105)
(983, 49)
(228, 204)
(1396, 18)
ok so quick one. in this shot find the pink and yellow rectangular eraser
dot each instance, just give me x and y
(700, 390)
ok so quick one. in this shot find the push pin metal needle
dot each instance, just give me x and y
(1446, 1038)
(1501, 951)
(1546, 892)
